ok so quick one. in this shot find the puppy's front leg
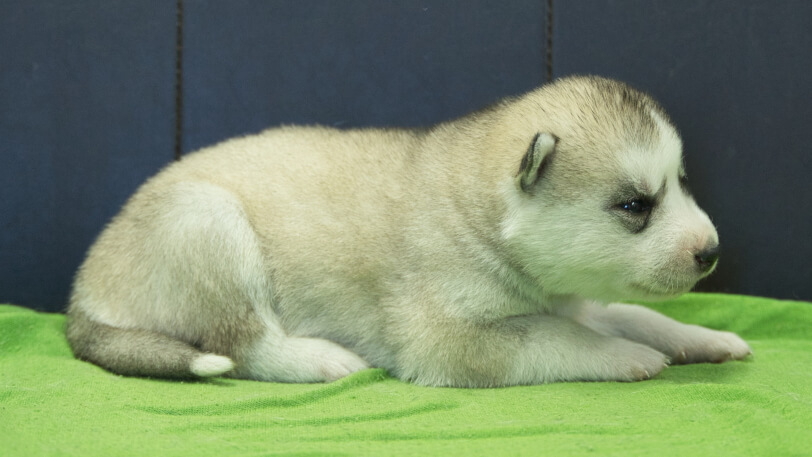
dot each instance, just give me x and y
(683, 343)
(520, 350)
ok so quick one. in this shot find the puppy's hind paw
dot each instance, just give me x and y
(325, 361)
(345, 365)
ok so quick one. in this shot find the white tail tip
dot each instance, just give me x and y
(208, 365)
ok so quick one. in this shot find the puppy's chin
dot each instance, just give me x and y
(654, 291)
(630, 292)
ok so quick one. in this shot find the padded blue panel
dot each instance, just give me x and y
(736, 76)
(87, 112)
(249, 65)
(87, 102)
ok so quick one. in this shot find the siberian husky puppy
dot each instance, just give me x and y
(484, 251)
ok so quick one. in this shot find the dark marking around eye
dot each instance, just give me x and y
(634, 203)
(635, 213)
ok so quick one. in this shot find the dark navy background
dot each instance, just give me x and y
(88, 102)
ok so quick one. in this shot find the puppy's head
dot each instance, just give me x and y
(599, 205)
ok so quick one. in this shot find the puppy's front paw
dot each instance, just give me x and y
(706, 345)
(637, 362)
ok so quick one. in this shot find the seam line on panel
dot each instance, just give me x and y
(179, 81)
(549, 62)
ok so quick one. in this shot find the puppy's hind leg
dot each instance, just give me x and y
(233, 295)
(277, 357)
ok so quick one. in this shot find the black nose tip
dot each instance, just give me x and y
(707, 259)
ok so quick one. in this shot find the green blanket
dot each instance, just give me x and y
(51, 404)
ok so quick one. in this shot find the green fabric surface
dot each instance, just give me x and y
(52, 404)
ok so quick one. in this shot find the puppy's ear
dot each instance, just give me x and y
(535, 160)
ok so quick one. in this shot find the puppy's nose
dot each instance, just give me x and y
(707, 258)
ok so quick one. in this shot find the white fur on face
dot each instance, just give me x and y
(578, 245)
(680, 229)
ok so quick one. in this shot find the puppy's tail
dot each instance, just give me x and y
(134, 352)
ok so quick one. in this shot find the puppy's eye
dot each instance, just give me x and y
(635, 213)
(636, 206)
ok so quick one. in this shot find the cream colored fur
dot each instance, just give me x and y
(474, 253)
